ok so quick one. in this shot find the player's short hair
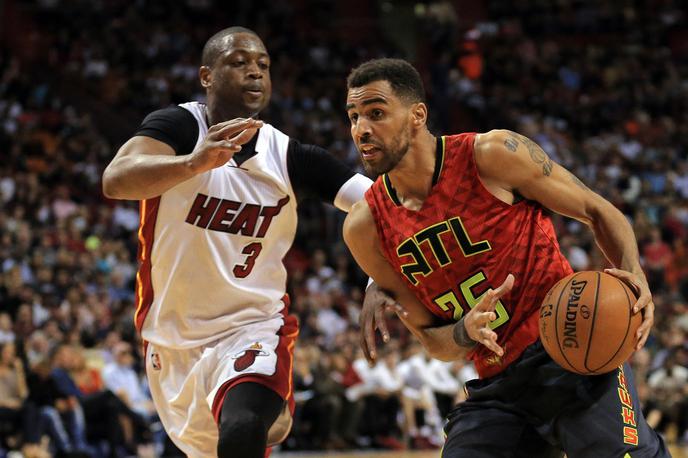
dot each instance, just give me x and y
(401, 75)
(214, 46)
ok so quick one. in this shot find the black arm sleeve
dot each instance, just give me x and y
(173, 125)
(315, 173)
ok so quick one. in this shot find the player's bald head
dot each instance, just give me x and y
(217, 44)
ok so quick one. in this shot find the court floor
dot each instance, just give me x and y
(675, 451)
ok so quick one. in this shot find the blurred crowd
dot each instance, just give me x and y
(602, 87)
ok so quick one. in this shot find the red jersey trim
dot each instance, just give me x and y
(144, 286)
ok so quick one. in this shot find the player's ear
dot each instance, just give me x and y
(204, 76)
(419, 111)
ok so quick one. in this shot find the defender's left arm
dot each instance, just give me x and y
(315, 173)
(532, 174)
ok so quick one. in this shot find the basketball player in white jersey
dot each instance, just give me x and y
(219, 192)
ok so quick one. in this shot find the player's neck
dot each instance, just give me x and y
(216, 113)
(412, 177)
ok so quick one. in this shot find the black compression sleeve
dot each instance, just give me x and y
(173, 125)
(315, 173)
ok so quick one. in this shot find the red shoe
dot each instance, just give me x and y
(390, 443)
(422, 443)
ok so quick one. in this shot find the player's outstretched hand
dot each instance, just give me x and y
(372, 317)
(639, 284)
(224, 139)
(477, 321)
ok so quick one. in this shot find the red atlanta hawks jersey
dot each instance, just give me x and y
(462, 241)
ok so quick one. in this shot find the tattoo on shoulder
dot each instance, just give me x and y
(538, 155)
(577, 182)
(511, 143)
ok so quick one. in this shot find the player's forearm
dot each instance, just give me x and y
(438, 341)
(142, 176)
(614, 235)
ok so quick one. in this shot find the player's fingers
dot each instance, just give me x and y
(222, 144)
(381, 323)
(366, 352)
(505, 287)
(623, 275)
(645, 327)
(638, 286)
(369, 338)
(484, 318)
(230, 146)
(642, 302)
(487, 301)
(400, 310)
(644, 296)
(393, 306)
(489, 339)
(366, 346)
(229, 128)
(221, 154)
(234, 128)
(244, 136)
(642, 340)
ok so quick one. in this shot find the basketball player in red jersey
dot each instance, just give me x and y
(451, 217)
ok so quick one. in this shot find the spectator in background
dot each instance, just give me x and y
(17, 415)
(319, 399)
(445, 385)
(121, 378)
(68, 402)
(380, 389)
(108, 418)
(6, 333)
(417, 397)
(669, 386)
(61, 421)
(658, 257)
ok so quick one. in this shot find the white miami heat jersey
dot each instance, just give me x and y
(211, 248)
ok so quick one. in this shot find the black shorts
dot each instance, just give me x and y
(536, 409)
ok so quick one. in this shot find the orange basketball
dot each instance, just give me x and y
(586, 322)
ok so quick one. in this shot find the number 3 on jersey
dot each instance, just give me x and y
(252, 250)
(448, 301)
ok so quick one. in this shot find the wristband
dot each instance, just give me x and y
(461, 336)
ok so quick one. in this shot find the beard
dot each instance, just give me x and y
(390, 155)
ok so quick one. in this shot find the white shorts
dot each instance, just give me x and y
(189, 385)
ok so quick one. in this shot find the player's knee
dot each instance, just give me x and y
(244, 435)
(280, 428)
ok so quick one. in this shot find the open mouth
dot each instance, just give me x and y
(369, 150)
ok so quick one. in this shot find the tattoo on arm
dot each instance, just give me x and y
(511, 144)
(538, 156)
(536, 153)
(577, 182)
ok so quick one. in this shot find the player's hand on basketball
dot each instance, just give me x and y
(223, 140)
(477, 321)
(372, 317)
(639, 285)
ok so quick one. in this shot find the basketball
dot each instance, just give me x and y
(586, 322)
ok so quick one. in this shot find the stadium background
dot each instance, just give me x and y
(602, 86)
